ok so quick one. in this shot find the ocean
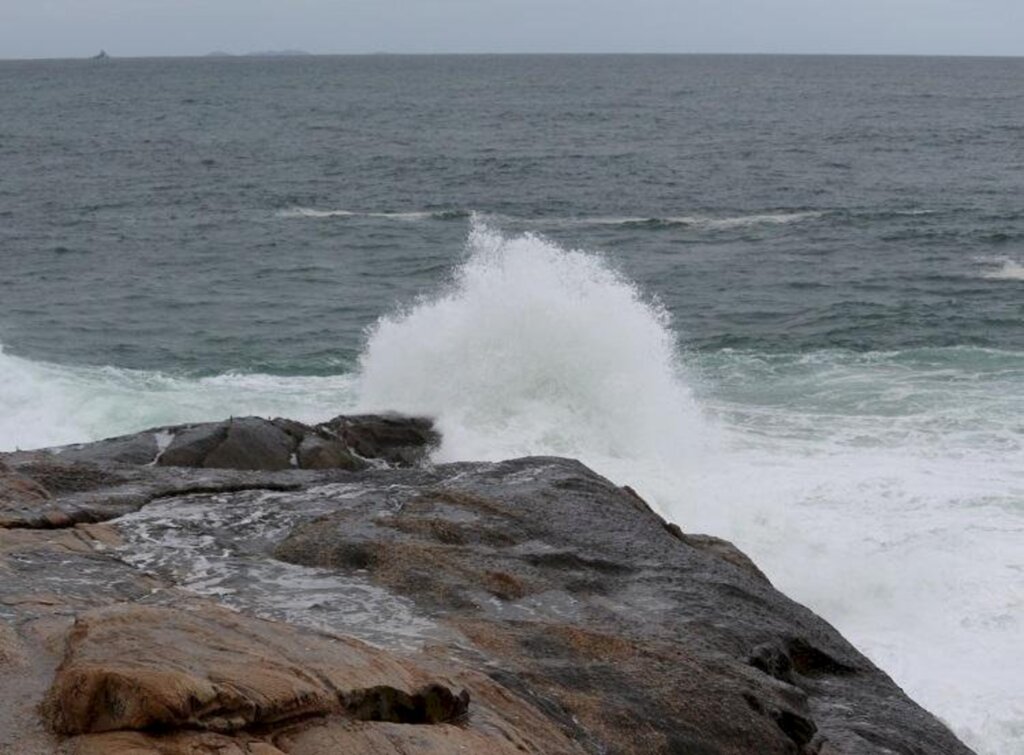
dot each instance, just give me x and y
(782, 297)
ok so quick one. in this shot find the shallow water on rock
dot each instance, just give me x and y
(219, 546)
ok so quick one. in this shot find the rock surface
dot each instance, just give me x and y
(264, 587)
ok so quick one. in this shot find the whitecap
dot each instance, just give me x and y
(1011, 270)
(309, 212)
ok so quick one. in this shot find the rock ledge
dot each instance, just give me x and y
(265, 587)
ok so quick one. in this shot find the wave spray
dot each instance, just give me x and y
(532, 349)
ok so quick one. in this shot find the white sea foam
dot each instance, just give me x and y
(886, 492)
(46, 404)
(1010, 270)
(779, 218)
(309, 212)
(533, 347)
(700, 222)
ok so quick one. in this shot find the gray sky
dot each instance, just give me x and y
(72, 28)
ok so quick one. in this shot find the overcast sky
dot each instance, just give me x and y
(72, 28)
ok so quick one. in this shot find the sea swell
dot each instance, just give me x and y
(883, 489)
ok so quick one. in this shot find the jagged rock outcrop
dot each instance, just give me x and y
(270, 587)
(254, 443)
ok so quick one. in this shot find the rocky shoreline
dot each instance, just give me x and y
(266, 587)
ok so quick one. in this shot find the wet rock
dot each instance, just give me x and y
(140, 448)
(542, 609)
(433, 704)
(190, 447)
(175, 743)
(245, 443)
(645, 639)
(773, 660)
(17, 489)
(11, 651)
(315, 452)
(398, 739)
(58, 477)
(137, 668)
(198, 678)
(395, 439)
(724, 550)
(252, 443)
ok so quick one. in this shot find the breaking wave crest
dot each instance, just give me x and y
(1010, 270)
(534, 349)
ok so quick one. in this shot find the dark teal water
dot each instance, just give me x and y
(775, 203)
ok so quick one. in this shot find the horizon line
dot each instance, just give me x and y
(289, 53)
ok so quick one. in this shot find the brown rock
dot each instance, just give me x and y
(134, 667)
(11, 652)
(394, 739)
(202, 679)
(176, 743)
(16, 488)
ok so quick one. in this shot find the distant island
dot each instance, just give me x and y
(102, 55)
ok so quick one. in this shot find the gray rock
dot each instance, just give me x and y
(644, 639)
(243, 443)
(393, 438)
(721, 548)
(320, 453)
(256, 443)
(140, 448)
(252, 443)
(190, 446)
(576, 603)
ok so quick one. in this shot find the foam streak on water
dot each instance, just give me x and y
(886, 491)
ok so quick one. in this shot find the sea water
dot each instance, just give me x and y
(780, 297)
